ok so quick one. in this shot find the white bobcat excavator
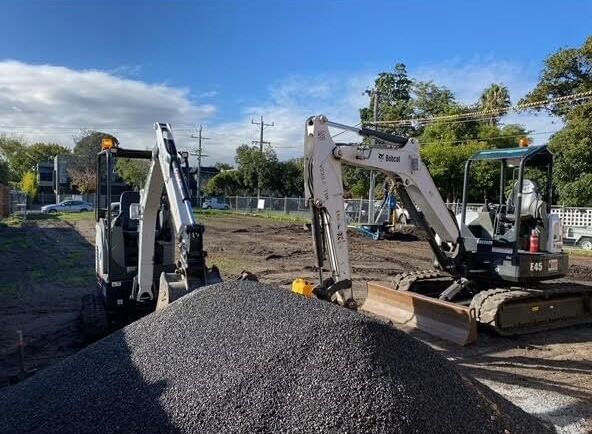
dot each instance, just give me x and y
(489, 269)
(151, 253)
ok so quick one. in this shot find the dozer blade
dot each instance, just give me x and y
(450, 321)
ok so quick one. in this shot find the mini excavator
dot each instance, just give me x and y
(151, 253)
(500, 266)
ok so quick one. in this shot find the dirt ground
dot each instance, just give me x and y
(48, 266)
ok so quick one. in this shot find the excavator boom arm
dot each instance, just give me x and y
(165, 170)
(398, 159)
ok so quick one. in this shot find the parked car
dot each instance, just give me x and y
(578, 237)
(67, 206)
(215, 203)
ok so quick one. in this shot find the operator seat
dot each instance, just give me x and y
(532, 210)
(124, 234)
(531, 207)
(128, 198)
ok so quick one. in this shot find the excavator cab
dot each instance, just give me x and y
(514, 237)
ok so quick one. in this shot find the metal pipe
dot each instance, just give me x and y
(465, 195)
(21, 350)
(108, 209)
(549, 184)
(370, 133)
(517, 210)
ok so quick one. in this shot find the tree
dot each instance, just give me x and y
(495, 97)
(226, 183)
(451, 132)
(432, 100)
(572, 147)
(82, 168)
(29, 185)
(223, 166)
(257, 168)
(446, 162)
(289, 178)
(4, 173)
(22, 157)
(566, 72)
(133, 171)
(394, 99)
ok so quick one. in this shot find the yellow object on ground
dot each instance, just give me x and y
(302, 287)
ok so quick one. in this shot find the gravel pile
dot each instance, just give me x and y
(246, 357)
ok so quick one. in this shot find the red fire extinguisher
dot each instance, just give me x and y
(534, 241)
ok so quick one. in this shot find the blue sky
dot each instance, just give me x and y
(117, 64)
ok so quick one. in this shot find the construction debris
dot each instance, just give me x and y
(247, 357)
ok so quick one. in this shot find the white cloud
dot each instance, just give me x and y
(44, 102)
(50, 103)
(468, 79)
(290, 102)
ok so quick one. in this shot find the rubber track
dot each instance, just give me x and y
(488, 303)
(404, 281)
(94, 318)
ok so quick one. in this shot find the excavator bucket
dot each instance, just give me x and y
(450, 321)
(172, 286)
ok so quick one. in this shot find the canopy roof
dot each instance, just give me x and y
(512, 153)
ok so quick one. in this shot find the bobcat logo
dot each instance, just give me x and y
(381, 157)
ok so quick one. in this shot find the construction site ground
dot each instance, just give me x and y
(47, 265)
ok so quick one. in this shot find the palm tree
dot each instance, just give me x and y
(495, 97)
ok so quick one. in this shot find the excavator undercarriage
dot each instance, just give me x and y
(412, 299)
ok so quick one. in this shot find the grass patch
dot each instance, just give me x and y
(12, 222)
(66, 217)
(70, 261)
(10, 290)
(269, 215)
(228, 265)
(81, 279)
(40, 275)
(578, 252)
(76, 216)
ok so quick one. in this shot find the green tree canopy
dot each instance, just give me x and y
(226, 183)
(82, 167)
(223, 166)
(22, 157)
(133, 171)
(566, 72)
(495, 97)
(256, 168)
(4, 172)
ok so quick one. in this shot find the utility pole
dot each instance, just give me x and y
(262, 126)
(375, 95)
(198, 153)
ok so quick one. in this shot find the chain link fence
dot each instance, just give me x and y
(358, 211)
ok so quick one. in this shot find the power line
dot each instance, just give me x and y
(490, 138)
(488, 113)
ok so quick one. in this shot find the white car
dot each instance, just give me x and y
(214, 203)
(67, 206)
